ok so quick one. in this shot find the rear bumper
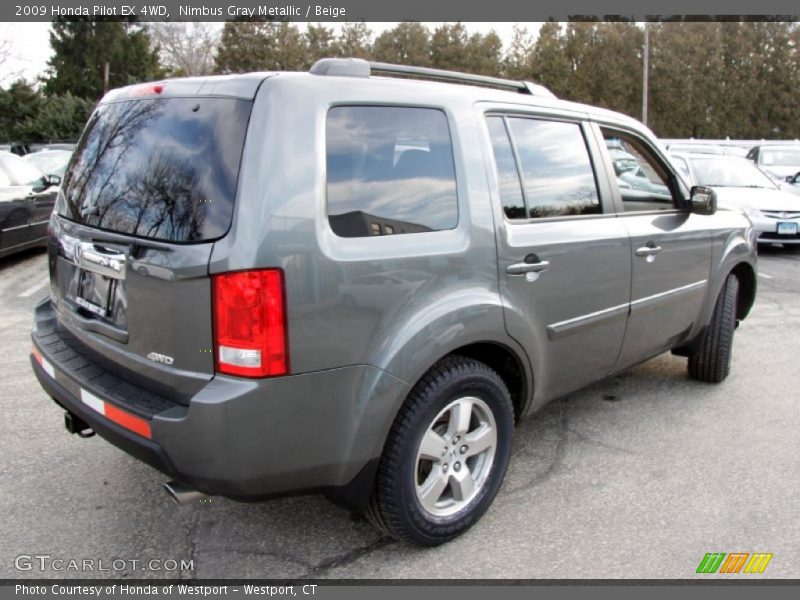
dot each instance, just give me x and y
(241, 438)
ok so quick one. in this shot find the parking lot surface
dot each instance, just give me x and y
(637, 476)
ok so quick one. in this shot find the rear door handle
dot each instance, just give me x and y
(648, 250)
(527, 267)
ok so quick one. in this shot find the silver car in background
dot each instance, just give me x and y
(739, 184)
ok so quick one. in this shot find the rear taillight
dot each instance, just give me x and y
(250, 323)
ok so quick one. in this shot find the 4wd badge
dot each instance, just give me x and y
(161, 358)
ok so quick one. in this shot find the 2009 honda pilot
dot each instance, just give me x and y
(280, 283)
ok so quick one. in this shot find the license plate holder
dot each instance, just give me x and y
(787, 228)
(95, 292)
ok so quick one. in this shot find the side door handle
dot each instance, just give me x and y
(650, 249)
(532, 264)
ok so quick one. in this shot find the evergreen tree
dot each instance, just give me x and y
(518, 61)
(58, 118)
(355, 40)
(408, 43)
(319, 42)
(261, 45)
(448, 47)
(18, 103)
(550, 64)
(82, 47)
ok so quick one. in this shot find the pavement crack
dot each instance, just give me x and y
(559, 454)
(349, 557)
(194, 525)
(590, 440)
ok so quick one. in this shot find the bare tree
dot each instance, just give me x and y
(186, 48)
(7, 58)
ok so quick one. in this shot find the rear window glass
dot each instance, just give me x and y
(163, 168)
(390, 171)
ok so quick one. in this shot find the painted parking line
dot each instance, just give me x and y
(764, 275)
(35, 287)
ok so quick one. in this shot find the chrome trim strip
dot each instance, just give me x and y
(601, 317)
(15, 227)
(23, 226)
(656, 298)
(564, 328)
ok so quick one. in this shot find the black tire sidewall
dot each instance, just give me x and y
(486, 385)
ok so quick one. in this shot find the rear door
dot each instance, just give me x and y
(671, 250)
(563, 256)
(150, 187)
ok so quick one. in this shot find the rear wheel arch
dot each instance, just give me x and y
(507, 364)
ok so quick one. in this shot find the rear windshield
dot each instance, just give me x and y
(163, 168)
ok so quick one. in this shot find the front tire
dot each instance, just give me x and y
(712, 362)
(446, 454)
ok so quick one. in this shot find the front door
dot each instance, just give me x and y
(671, 248)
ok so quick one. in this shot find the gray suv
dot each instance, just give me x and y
(335, 282)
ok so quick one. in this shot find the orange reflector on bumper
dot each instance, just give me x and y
(121, 417)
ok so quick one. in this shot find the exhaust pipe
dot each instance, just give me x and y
(182, 494)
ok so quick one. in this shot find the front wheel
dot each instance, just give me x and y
(712, 362)
(446, 454)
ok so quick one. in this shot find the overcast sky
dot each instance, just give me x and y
(30, 44)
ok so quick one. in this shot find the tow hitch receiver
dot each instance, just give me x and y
(75, 424)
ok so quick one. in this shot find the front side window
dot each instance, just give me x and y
(390, 171)
(642, 181)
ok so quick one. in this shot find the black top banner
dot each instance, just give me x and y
(408, 10)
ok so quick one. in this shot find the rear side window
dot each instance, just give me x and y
(557, 172)
(163, 169)
(390, 171)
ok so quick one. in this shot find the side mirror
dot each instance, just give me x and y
(792, 178)
(53, 180)
(703, 200)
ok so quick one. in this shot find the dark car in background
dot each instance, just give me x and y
(27, 197)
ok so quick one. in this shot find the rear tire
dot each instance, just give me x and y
(446, 454)
(713, 361)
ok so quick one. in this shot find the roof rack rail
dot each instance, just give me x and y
(356, 67)
(523, 87)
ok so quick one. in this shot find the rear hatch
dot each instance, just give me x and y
(151, 186)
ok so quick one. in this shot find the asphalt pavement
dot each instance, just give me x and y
(638, 476)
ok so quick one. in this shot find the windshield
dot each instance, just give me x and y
(784, 157)
(729, 173)
(163, 168)
(52, 163)
(22, 173)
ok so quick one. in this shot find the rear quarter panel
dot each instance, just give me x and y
(282, 221)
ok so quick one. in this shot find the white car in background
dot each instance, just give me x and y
(779, 161)
(739, 184)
